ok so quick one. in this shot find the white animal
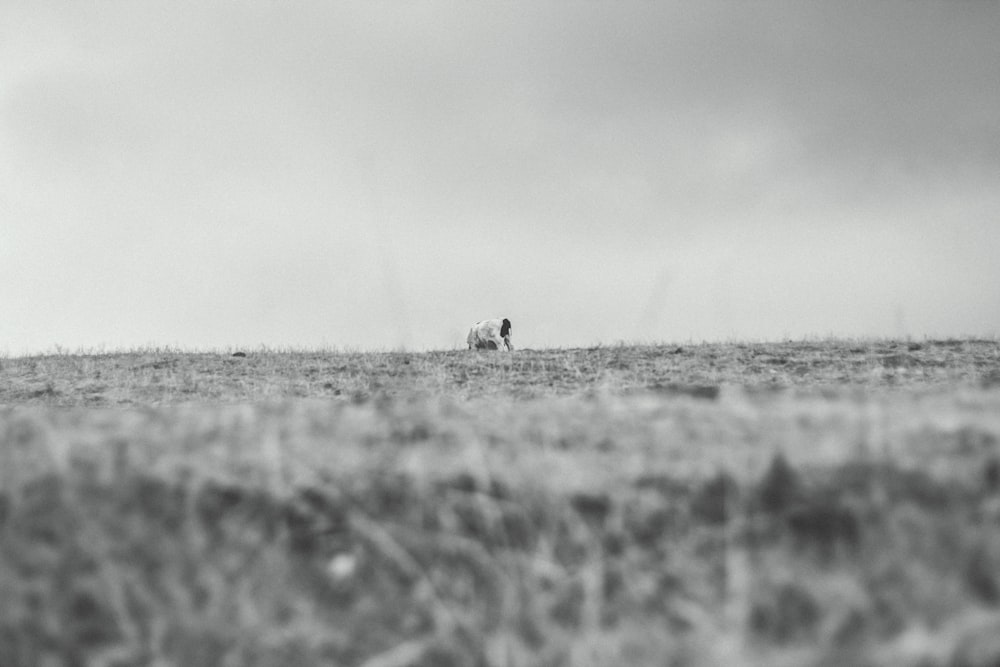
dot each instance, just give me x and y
(490, 335)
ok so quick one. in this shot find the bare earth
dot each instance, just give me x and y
(803, 503)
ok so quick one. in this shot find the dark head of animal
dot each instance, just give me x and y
(505, 328)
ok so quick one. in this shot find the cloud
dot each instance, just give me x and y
(549, 158)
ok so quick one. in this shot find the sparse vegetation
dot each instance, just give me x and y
(807, 503)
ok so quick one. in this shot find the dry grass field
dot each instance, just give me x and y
(808, 503)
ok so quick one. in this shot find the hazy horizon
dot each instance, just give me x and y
(380, 175)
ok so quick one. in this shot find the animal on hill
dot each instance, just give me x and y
(490, 335)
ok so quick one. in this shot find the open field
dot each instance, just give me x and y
(158, 377)
(801, 503)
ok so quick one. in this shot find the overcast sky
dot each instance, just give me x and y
(383, 174)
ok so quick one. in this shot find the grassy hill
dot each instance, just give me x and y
(802, 503)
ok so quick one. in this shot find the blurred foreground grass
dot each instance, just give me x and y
(820, 503)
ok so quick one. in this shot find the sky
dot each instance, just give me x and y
(382, 174)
